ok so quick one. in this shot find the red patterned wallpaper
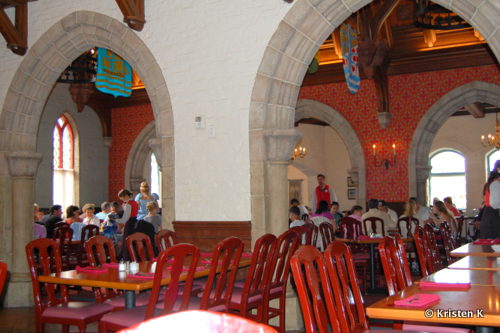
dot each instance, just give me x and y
(410, 96)
(127, 124)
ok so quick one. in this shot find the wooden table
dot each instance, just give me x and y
(476, 250)
(118, 280)
(478, 297)
(477, 263)
(372, 243)
(474, 277)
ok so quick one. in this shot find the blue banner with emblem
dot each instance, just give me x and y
(349, 45)
(114, 75)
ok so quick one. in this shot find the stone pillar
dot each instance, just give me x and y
(164, 150)
(422, 174)
(22, 168)
(279, 149)
(155, 145)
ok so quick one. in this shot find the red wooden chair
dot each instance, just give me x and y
(87, 232)
(305, 232)
(220, 283)
(410, 224)
(251, 296)
(3, 275)
(327, 232)
(460, 227)
(200, 321)
(345, 287)
(63, 235)
(373, 224)
(395, 265)
(174, 298)
(350, 228)
(165, 238)
(53, 307)
(139, 247)
(448, 241)
(425, 252)
(436, 258)
(314, 291)
(287, 244)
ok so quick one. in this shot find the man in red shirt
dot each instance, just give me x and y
(322, 192)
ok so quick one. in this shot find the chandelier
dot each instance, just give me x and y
(492, 140)
(298, 152)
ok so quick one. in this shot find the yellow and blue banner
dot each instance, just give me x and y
(114, 75)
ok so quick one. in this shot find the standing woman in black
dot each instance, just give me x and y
(490, 221)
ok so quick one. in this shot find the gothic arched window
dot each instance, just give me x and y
(63, 163)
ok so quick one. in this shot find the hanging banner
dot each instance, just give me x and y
(114, 75)
(349, 46)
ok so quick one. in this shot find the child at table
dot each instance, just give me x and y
(110, 227)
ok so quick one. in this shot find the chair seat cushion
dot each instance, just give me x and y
(128, 317)
(77, 311)
(141, 299)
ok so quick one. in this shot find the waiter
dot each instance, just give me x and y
(322, 192)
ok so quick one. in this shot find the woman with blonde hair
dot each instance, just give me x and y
(143, 198)
(443, 214)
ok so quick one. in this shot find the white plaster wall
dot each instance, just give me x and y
(326, 154)
(93, 154)
(209, 52)
(469, 144)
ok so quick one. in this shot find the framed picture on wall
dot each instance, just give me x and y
(352, 193)
(350, 183)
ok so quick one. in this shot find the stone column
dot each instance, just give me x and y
(22, 168)
(279, 148)
(422, 174)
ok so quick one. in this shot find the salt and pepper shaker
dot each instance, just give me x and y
(134, 267)
(122, 266)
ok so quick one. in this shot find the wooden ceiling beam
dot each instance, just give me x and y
(475, 109)
(16, 35)
(133, 13)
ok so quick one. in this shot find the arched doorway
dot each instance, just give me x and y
(20, 117)
(307, 108)
(278, 82)
(435, 117)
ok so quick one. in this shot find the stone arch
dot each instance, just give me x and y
(307, 108)
(277, 84)
(23, 106)
(434, 118)
(138, 157)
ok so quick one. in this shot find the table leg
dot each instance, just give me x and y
(482, 329)
(372, 266)
(129, 299)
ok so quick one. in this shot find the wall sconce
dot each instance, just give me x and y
(385, 162)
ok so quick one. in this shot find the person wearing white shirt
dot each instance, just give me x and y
(302, 208)
(90, 218)
(382, 205)
(422, 213)
(322, 192)
(373, 211)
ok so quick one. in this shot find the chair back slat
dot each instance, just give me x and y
(327, 232)
(448, 241)
(139, 247)
(345, 286)
(350, 228)
(88, 231)
(288, 243)
(100, 250)
(44, 257)
(410, 224)
(172, 262)
(3, 275)
(165, 238)
(225, 261)
(427, 252)
(374, 221)
(314, 291)
(395, 265)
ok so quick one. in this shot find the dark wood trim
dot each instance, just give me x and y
(425, 61)
(206, 234)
